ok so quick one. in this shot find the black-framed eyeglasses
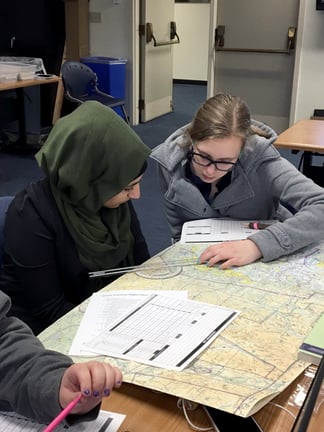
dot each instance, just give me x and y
(205, 161)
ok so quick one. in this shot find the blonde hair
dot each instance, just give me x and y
(221, 116)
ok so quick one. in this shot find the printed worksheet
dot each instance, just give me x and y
(107, 307)
(214, 230)
(105, 422)
(162, 331)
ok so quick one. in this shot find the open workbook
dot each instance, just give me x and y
(218, 230)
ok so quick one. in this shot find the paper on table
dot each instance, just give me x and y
(104, 309)
(13, 422)
(163, 331)
(214, 230)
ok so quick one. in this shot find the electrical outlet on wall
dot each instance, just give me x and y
(95, 17)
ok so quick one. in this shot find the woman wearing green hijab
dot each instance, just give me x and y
(78, 219)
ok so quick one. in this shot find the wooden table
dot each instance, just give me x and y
(306, 136)
(150, 411)
(19, 87)
(11, 85)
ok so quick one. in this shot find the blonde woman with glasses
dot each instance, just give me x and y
(224, 165)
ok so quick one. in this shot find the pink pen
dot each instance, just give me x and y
(58, 419)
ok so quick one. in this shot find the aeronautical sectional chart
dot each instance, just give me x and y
(244, 367)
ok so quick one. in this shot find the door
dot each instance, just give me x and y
(157, 37)
(253, 55)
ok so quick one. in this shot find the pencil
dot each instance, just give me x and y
(256, 225)
(58, 419)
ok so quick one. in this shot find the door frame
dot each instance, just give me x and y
(211, 46)
(135, 66)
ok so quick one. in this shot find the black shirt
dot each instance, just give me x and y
(42, 272)
(205, 188)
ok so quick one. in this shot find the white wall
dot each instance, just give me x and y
(190, 57)
(308, 85)
(111, 37)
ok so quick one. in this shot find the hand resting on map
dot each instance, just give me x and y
(230, 254)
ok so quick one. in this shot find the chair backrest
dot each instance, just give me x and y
(4, 203)
(78, 78)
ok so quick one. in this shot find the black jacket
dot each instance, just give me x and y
(42, 272)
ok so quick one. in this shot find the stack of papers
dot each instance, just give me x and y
(105, 422)
(161, 330)
(215, 230)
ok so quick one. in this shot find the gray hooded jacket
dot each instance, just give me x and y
(30, 376)
(262, 184)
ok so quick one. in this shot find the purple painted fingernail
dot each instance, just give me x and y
(106, 392)
(86, 392)
(96, 394)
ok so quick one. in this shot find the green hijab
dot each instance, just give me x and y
(90, 156)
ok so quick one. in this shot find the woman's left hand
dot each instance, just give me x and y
(94, 380)
(230, 254)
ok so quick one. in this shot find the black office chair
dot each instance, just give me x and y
(81, 84)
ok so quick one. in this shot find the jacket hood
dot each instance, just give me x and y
(170, 153)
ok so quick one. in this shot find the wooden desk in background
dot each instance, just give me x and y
(19, 87)
(10, 85)
(150, 411)
(306, 136)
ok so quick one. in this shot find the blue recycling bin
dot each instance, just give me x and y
(111, 73)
